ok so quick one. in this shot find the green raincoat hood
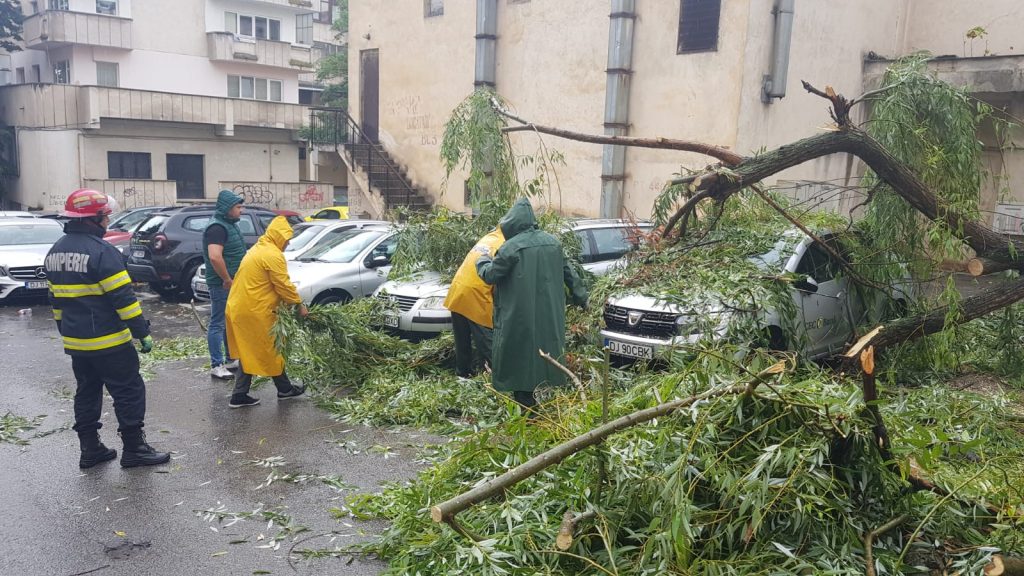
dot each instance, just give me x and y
(227, 200)
(519, 218)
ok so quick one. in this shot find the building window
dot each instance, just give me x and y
(698, 25)
(129, 165)
(37, 73)
(253, 26)
(433, 8)
(106, 74)
(326, 11)
(106, 7)
(62, 72)
(304, 29)
(20, 75)
(254, 88)
(57, 4)
(34, 7)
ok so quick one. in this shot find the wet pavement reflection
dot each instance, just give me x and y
(61, 520)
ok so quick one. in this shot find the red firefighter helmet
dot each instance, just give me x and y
(86, 203)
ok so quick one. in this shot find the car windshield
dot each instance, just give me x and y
(24, 234)
(341, 247)
(776, 258)
(128, 221)
(302, 235)
(152, 225)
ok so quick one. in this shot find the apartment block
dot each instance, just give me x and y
(164, 101)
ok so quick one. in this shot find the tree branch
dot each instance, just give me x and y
(446, 511)
(869, 541)
(575, 379)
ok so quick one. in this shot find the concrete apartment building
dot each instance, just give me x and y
(687, 69)
(158, 101)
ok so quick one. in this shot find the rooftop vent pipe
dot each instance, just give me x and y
(775, 83)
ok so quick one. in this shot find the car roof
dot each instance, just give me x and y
(203, 208)
(588, 223)
(19, 221)
(16, 214)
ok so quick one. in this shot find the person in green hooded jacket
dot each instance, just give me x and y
(528, 273)
(223, 250)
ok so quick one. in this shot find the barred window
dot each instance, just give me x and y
(698, 25)
(433, 8)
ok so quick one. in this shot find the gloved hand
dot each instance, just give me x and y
(482, 250)
(147, 345)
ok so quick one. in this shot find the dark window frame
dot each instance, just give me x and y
(129, 165)
(433, 8)
(694, 18)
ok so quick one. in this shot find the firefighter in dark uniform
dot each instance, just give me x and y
(98, 316)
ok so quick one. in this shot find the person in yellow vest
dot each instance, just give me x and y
(471, 302)
(259, 286)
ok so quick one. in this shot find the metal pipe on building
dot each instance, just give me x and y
(775, 83)
(486, 42)
(616, 104)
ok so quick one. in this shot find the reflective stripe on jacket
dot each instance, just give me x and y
(91, 294)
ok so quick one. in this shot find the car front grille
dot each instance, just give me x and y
(404, 303)
(28, 273)
(648, 323)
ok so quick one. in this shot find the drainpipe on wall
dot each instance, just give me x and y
(616, 104)
(775, 83)
(486, 42)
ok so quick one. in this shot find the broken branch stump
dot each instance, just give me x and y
(982, 266)
(1005, 566)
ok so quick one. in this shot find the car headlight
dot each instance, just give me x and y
(433, 303)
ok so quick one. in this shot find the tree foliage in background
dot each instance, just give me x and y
(10, 25)
(333, 68)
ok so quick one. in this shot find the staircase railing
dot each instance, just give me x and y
(335, 127)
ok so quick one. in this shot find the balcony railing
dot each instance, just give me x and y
(297, 196)
(70, 106)
(226, 46)
(54, 28)
(305, 5)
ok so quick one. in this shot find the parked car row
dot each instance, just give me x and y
(24, 243)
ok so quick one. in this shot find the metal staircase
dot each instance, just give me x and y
(333, 127)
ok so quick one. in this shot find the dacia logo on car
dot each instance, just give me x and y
(634, 318)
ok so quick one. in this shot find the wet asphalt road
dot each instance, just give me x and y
(59, 520)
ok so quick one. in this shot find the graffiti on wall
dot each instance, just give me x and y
(255, 194)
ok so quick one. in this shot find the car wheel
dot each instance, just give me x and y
(185, 286)
(773, 338)
(332, 297)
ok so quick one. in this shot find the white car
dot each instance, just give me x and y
(308, 234)
(305, 236)
(827, 307)
(24, 243)
(345, 266)
(15, 214)
(420, 298)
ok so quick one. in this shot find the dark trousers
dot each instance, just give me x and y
(243, 382)
(525, 399)
(119, 372)
(469, 336)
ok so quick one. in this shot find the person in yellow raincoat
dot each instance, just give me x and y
(471, 302)
(259, 286)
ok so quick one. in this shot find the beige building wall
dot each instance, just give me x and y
(941, 26)
(49, 168)
(426, 69)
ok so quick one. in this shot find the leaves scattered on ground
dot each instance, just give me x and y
(12, 426)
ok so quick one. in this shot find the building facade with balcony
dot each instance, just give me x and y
(686, 69)
(195, 93)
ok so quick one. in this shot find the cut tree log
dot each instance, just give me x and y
(1005, 566)
(983, 266)
(565, 536)
(446, 511)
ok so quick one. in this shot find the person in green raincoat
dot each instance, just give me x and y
(527, 273)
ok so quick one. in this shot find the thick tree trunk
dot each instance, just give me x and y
(722, 183)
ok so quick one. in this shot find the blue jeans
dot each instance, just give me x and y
(216, 334)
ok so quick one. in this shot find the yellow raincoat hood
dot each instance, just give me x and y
(259, 287)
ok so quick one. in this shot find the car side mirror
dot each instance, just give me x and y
(807, 284)
(377, 261)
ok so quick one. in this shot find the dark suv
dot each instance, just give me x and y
(167, 249)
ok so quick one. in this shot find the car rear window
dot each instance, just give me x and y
(152, 225)
(198, 224)
(25, 234)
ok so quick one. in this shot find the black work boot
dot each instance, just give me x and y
(137, 452)
(93, 451)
